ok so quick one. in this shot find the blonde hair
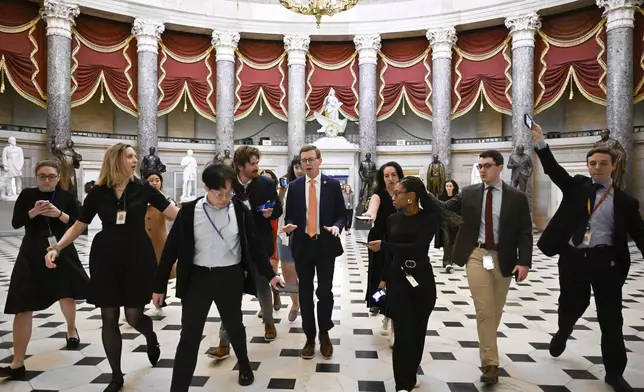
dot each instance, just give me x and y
(114, 169)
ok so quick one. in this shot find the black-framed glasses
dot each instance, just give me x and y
(396, 194)
(50, 177)
(308, 160)
(485, 165)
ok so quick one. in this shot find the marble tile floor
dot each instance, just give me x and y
(362, 358)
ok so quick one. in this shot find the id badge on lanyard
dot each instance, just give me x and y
(51, 240)
(121, 215)
(488, 261)
(588, 235)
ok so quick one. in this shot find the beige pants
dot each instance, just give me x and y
(489, 290)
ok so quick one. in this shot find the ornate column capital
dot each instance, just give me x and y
(441, 40)
(619, 13)
(59, 16)
(522, 29)
(368, 46)
(225, 43)
(147, 33)
(297, 46)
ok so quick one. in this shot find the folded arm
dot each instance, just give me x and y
(423, 237)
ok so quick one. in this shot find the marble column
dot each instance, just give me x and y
(522, 29)
(442, 40)
(147, 33)
(59, 17)
(296, 46)
(225, 43)
(619, 95)
(368, 46)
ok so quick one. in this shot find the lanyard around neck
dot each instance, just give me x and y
(604, 196)
(212, 223)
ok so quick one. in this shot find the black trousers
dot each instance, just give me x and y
(596, 268)
(310, 260)
(225, 287)
(410, 308)
(349, 218)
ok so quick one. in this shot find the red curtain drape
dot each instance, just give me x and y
(405, 77)
(187, 73)
(261, 78)
(482, 71)
(638, 56)
(332, 65)
(571, 48)
(23, 62)
(104, 61)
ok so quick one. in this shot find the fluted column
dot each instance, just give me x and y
(59, 17)
(368, 46)
(296, 46)
(442, 40)
(147, 33)
(522, 29)
(619, 95)
(225, 43)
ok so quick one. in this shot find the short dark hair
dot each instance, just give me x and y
(290, 175)
(47, 163)
(494, 154)
(603, 150)
(216, 176)
(311, 147)
(243, 155)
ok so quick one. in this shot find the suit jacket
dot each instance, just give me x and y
(180, 247)
(332, 213)
(573, 211)
(259, 191)
(515, 226)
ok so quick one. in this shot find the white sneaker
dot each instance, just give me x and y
(385, 326)
(156, 312)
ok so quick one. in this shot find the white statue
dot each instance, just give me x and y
(13, 160)
(329, 119)
(189, 164)
(475, 178)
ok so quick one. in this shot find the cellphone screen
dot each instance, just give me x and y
(283, 182)
(528, 121)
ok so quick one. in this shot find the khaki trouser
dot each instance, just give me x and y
(489, 290)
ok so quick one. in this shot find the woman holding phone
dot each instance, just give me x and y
(45, 212)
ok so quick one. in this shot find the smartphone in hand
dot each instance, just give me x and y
(528, 121)
(283, 182)
(266, 206)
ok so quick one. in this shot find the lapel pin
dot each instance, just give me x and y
(324, 182)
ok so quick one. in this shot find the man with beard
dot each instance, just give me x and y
(259, 194)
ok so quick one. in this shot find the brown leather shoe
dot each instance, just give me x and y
(326, 348)
(270, 333)
(219, 353)
(308, 352)
(490, 375)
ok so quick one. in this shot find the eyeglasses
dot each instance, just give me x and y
(485, 166)
(309, 160)
(223, 195)
(398, 193)
(50, 177)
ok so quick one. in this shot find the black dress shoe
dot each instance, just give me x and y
(558, 344)
(17, 374)
(73, 343)
(246, 376)
(115, 385)
(618, 383)
(154, 351)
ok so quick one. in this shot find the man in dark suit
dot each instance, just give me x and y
(494, 242)
(590, 232)
(255, 191)
(213, 240)
(315, 216)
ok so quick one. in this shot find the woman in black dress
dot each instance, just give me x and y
(380, 207)
(446, 233)
(45, 212)
(122, 261)
(410, 284)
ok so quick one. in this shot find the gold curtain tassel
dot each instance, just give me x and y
(404, 113)
(572, 93)
(102, 95)
(261, 107)
(185, 101)
(2, 82)
(481, 107)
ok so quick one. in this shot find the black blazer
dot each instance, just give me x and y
(515, 226)
(180, 247)
(332, 213)
(261, 190)
(573, 210)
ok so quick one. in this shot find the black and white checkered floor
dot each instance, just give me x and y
(362, 359)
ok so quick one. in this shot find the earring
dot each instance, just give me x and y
(408, 201)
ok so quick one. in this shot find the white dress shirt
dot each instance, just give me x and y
(497, 197)
(318, 186)
(210, 249)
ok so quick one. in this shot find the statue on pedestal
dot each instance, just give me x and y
(225, 160)
(329, 119)
(69, 161)
(475, 177)
(620, 164)
(367, 175)
(521, 165)
(189, 164)
(436, 177)
(13, 161)
(151, 163)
